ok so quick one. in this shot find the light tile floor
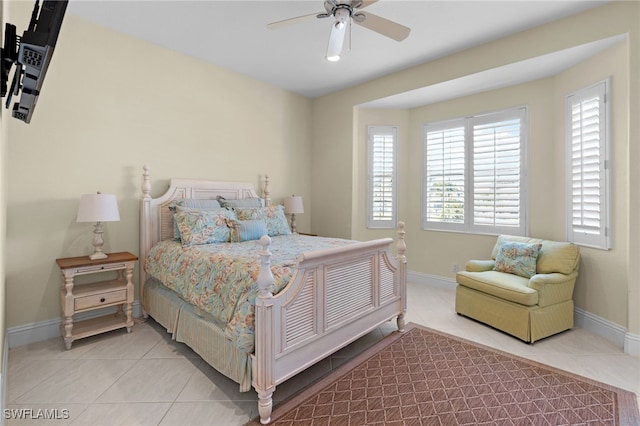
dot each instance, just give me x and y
(145, 378)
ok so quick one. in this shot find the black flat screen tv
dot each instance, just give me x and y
(30, 55)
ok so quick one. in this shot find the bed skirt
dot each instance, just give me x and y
(198, 330)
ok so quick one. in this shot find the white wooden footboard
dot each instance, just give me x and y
(335, 296)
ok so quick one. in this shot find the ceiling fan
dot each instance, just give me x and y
(344, 12)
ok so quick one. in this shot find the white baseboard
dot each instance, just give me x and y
(632, 344)
(600, 326)
(611, 331)
(49, 329)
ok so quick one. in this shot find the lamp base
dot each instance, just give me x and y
(98, 255)
(98, 242)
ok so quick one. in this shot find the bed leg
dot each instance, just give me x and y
(400, 321)
(265, 405)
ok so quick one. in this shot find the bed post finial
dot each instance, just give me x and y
(265, 349)
(266, 192)
(146, 184)
(401, 260)
(265, 277)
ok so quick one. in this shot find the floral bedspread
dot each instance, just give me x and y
(220, 279)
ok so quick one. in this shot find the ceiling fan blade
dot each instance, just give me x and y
(336, 40)
(383, 26)
(297, 20)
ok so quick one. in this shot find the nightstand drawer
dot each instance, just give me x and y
(102, 299)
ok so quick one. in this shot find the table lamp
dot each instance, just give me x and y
(293, 205)
(98, 208)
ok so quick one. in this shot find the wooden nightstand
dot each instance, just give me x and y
(88, 297)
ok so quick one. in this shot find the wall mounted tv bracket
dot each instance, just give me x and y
(31, 55)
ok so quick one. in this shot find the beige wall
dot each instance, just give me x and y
(110, 104)
(608, 278)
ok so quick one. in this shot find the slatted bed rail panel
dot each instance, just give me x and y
(349, 290)
(300, 317)
(333, 291)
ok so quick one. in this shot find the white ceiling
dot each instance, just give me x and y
(234, 35)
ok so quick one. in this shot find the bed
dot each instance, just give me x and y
(305, 296)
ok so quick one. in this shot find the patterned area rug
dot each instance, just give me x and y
(425, 377)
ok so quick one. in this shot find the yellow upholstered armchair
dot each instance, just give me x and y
(525, 289)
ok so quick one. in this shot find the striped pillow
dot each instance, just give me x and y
(247, 230)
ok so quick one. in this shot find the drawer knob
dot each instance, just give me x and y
(102, 299)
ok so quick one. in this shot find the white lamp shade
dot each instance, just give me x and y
(293, 204)
(98, 208)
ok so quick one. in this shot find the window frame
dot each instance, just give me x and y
(372, 132)
(601, 240)
(468, 225)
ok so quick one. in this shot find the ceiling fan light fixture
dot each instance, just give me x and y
(336, 40)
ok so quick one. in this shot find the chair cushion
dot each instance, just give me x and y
(558, 257)
(499, 284)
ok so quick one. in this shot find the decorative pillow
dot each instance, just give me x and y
(179, 207)
(517, 258)
(203, 226)
(241, 203)
(247, 230)
(273, 216)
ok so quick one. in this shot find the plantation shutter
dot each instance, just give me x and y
(587, 172)
(444, 171)
(382, 177)
(497, 172)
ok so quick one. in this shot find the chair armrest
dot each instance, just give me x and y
(553, 288)
(479, 265)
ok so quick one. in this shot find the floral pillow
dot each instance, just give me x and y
(203, 226)
(517, 258)
(273, 216)
(190, 204)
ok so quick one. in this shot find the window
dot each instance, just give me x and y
(474, 176)
(382, 198)
(444, 187)
(588, 167)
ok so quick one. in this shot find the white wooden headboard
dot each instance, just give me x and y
(156, 220)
